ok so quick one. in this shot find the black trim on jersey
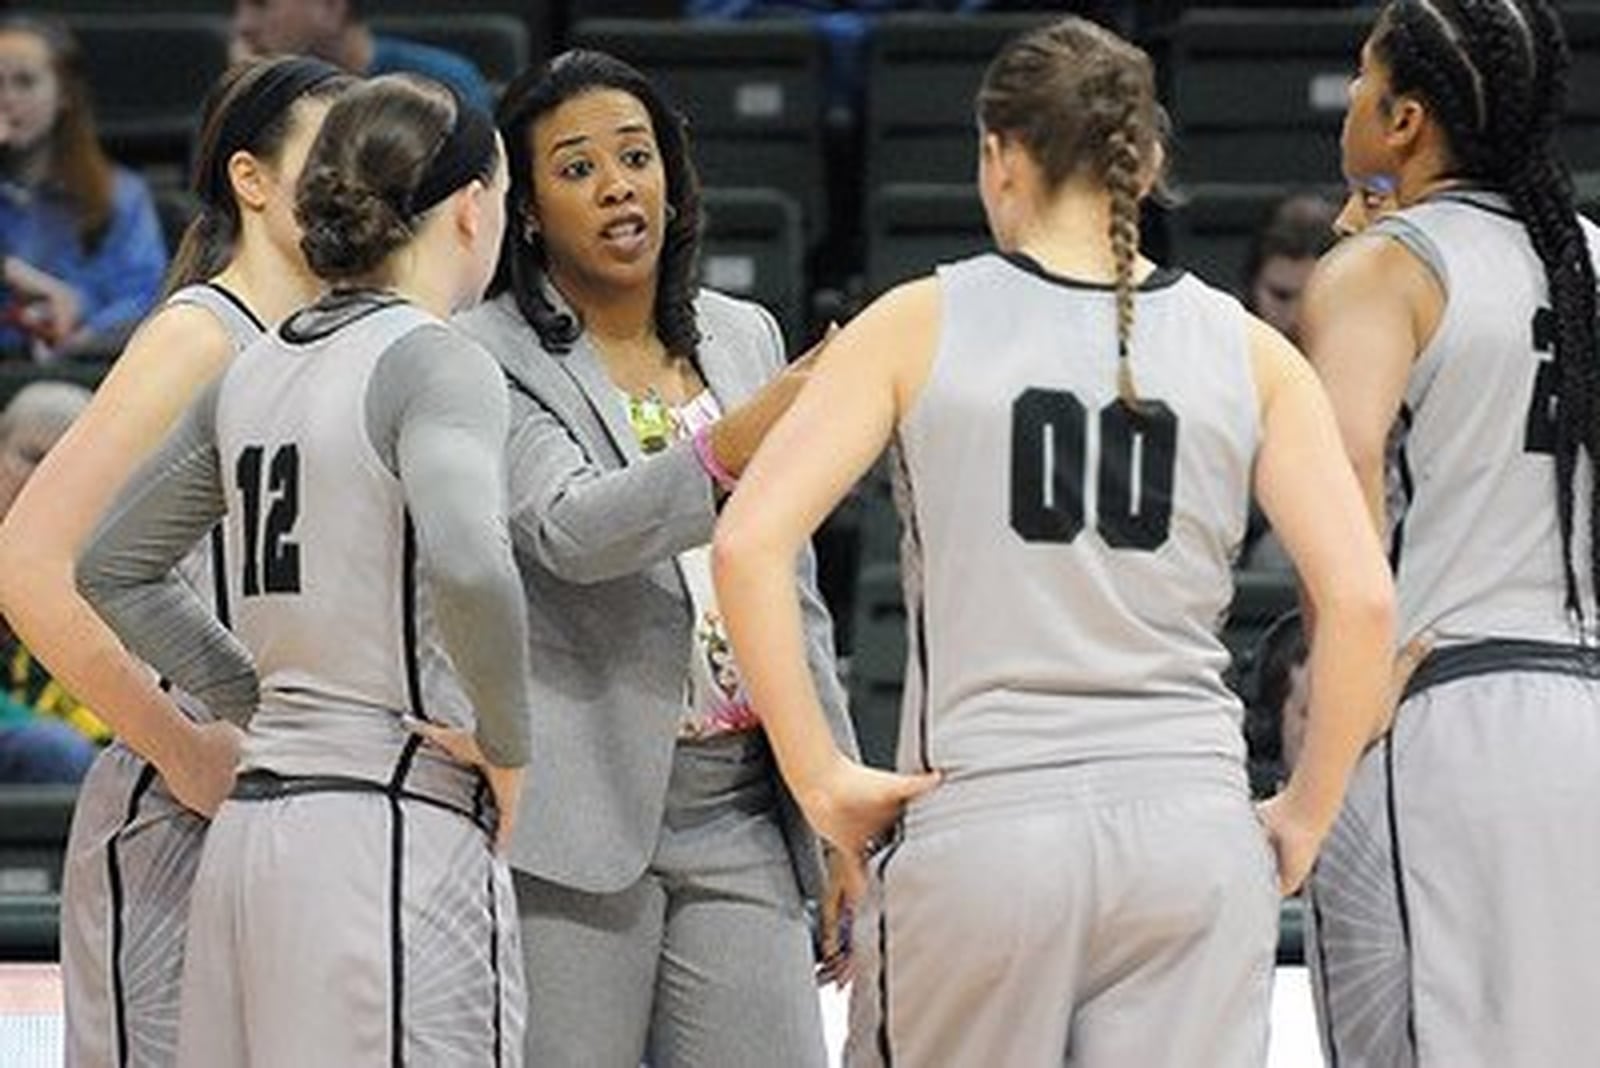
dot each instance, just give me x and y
(1329, 1038)
(1403, 908)
(916, 619)
(334, 312)
(884, 1051)
(1408, 486)
(1472, 198)
(494, 966)
(238, 302)
(1160, 278)
(119, 992)
(408, 622)
(397, 942)
(219, 576)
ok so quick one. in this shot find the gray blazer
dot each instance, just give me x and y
(597, 527)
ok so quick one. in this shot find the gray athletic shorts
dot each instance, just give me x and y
(351, 929)
(1109, 915)
(130, 863)
(1452, 913)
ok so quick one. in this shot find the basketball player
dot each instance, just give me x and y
(349, 907)
(137, 828)
(1448, 913)
(1078, 435)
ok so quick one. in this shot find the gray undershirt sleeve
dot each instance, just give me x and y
(437, 412)
(126, 571)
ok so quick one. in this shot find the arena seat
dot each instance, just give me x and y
(913, 227)
(1259, 95)
(33, 839)
(751, 90)
(754, 248)
(923, 72)
(499, 44)
(148, 72)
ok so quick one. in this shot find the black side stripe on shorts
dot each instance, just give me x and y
(884, 1051)
(1329, 1038)
(1402, 906)
(397, 857)
(119, 1002)
(494, 964)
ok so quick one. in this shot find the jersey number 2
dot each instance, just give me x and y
(1050, 472)
(1540, 433)
(271, 559)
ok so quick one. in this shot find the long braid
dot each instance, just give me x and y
(1122, 180)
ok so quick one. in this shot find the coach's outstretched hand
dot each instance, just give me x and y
(504, 783)
(202, 777)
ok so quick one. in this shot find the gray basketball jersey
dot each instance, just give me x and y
(204, 567)
(1067, 560)
(1475, 543)
(323, 573)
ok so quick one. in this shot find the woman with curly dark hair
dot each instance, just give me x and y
(661, 874)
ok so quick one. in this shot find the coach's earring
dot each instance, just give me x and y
(671, 212)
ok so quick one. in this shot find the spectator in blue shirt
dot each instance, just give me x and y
(82, 248)
(333, 30)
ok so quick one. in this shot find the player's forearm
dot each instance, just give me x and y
(483, 621)
(84, 656)
(1349, 681)
(759, 602)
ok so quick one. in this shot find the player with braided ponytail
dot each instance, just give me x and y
(1443, 932)
(1087, 882)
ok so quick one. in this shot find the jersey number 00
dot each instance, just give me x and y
(1051, 472)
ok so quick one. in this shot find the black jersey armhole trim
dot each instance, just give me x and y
(1160, 278)
(238, 302)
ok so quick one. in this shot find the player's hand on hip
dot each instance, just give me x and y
(202, 778)
(504, 783)
(854, 806)
(1294, 840)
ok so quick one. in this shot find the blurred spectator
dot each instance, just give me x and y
(82, 246)
(1282, 255)
(1275, 721)
(334, 30)
(44, 733)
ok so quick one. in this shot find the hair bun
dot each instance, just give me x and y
(348, 229)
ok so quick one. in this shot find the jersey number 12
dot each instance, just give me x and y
(1050, 471)
(271, 559)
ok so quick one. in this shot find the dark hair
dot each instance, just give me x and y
(208, 241)
(1280, 649)
(374, 152)
(1493, 75)
(523, 263)
(1081, 99)
(78, 164)
(1300, 227)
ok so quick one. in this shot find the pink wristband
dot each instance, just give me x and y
(709, 462)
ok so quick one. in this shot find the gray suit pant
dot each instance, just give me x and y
(705, 960)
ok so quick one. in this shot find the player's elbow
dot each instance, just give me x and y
(740, 546)
(1361, 604)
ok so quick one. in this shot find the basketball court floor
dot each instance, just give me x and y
(30, 1019)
